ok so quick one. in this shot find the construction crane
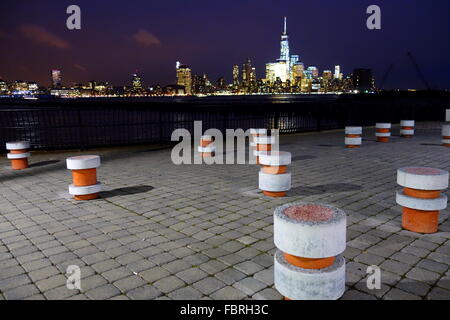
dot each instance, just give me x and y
(388, 71)
(416, 66)
(422, 77)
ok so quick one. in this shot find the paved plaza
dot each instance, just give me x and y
(161, 231)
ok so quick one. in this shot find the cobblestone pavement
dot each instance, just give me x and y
(162, 231)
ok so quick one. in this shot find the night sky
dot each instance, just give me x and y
(119, 37)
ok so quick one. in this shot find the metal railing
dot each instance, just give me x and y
(61, 124)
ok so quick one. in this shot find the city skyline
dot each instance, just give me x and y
(111, 44)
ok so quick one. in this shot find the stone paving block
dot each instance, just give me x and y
(228, 293)
(8, 272)
(104, 292)
(145, 292)
(423, 275)
(267, 294)
(208, 285)
(397, 294)
(356, 295)
(168, 284)
(154, 274)
(248, 267)
(129, 283)
(266, 276)
(14, 282)
(186, 293)
(21, 292)
(230, 276)
(60, 293)
(395, 267)
(405, 258)
(414, 287)
(191, 275)
(439, 294)
(249, 286)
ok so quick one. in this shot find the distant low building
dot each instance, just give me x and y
(363, 80)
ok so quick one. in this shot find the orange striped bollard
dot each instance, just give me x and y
(310, 238)
(263, 145)
(206, 147)
(254, 133)
(274, 178)
(421, 197)
(446, 135)
(407, 128)
(84, 173)
(18, 154)
(353, 137)
(383, 132)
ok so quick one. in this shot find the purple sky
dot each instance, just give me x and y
(119, 37)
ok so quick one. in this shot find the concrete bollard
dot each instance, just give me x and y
(206, 147)
(407, 128)
(263, 145)
(310, 238)
(446, 135)
(18, 154)
(84, 173)
(353, 137)
(421, 197)
(383, 132)
(256, 133)
(274, 180)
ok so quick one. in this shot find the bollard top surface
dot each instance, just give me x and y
(83, 162)
(206, 138)
(264, 140)
(310, 213)
(383, 125)
(422, 178)
(258, 131)
(17, 145)
(275, 158)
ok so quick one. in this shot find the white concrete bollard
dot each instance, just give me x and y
(274, 180)
(18, 154)
(407, 128)
(383, 132)
(84, 172)
(421, 197)
(446, 135)
(309, 264)
(353, 137)
(206, 147)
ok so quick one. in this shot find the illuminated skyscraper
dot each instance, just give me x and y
(56, 79)
(282, 69)
(314, 71)
(248, 75)
(3, 87)
(236, 77)
(284, 52)
(297, 73)
(184, 77)
(337, 72)
(136, 83)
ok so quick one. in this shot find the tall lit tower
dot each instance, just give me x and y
(56, 79)
(235, 77)
(284, 55)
